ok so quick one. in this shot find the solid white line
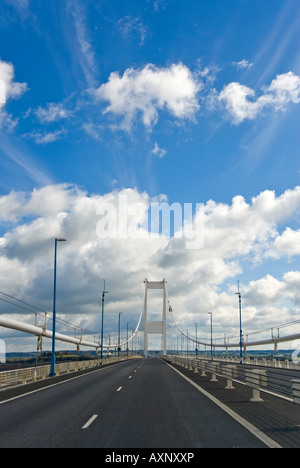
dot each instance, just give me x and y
(254, 430)
(90, 421)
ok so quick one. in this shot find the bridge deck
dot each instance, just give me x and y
(139, 404)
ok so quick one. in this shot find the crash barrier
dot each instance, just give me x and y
(280, 382)
(256, 379)
(17, 377)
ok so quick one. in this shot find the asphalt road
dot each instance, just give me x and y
(136, 404)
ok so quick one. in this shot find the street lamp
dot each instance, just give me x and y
(127, 340)
(102, 321)
(196, 325)
(119, 333)
(187, 343)
(52, 371)
(241, 331)
(211, 336)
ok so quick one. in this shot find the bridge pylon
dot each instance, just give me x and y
(155, 328)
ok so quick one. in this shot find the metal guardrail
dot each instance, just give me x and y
(13, 378)
(284, 383)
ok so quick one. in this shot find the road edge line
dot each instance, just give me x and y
(250, 427)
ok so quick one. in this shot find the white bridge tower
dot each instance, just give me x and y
(155, 328)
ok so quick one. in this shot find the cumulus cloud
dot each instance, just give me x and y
(177, 90)
(241, 103)
(9, 89)
(270, 290)
(285, 245)
(148, 91)
(235, 234)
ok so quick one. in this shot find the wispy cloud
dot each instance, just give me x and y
(43, 138)
(52, 113)
(133, 25)
(81, 42)
(22, 8)
(243, 64)
(25, 163)
(276, 43)
(159, 152)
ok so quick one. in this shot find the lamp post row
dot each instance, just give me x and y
(211, 329)
(53, 361)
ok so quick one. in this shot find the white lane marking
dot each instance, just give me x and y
(58, 383)
(90, 421)
(130, 376)
(254, 430)
(119, 389)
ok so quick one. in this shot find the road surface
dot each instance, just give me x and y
(140, 403)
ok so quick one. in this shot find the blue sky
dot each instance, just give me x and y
(64, 51)
(196, 100)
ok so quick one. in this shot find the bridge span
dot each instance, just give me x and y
(143, 403)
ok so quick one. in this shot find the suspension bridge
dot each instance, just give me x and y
(128, 402)
(81, 337)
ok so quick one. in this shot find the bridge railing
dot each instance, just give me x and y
(13, 378)
(284, 383)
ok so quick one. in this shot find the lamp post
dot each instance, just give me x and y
(211, 336)
(196, 325)
(187, 343)
(52, 371)
(127, 350)
(119, 333)
(102, 320)
(241, 331)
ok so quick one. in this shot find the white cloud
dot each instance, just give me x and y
(270, 290)
(22, 8)
(241, 103)
(159, 152)
(24, 162)
(129, 25)
(243, 64)
(81, 43)
(93, 130)
(198, 280)
(149, 90)
(285, 245)
(9, 89)
(12, 89)
(52, 113)
(43, 138)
